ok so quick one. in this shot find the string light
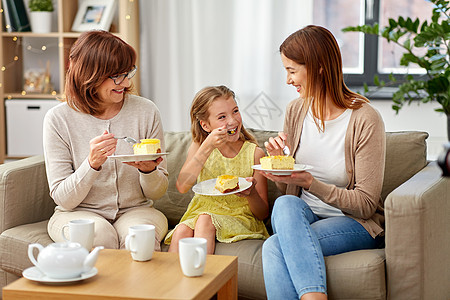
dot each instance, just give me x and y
(43, 48)
(30, 48)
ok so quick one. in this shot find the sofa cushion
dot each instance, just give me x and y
(406, 154)
(250, 273)
(173, 204)
(14, 245)
(356, 275)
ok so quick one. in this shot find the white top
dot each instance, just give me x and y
(324, 151)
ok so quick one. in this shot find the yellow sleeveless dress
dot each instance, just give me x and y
(230, 214)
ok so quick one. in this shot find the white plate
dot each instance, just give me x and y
(297, 168)
(134, 157)
(207, 187)
(34, 274)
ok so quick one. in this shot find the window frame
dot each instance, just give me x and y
(370, 62)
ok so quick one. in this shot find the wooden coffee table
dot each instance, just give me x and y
(119, 277)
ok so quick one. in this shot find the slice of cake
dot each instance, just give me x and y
(147, 146)
(277, 162)
(227, 183)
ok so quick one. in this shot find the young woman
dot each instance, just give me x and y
(221, 146)
(336, 206)
(79, 137)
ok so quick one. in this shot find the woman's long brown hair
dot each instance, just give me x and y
(316, 48)
(94, 57)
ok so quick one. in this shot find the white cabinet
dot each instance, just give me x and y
(24, 119)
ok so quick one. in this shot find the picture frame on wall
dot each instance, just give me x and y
(94, 14)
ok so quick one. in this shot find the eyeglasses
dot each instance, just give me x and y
(118, 79)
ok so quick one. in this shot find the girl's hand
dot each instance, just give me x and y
(217, 137)
(275, 145)
(303, 179)
(145, 166)
(100, 148)
(250, 190)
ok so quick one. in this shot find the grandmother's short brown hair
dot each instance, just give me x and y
(95, 56)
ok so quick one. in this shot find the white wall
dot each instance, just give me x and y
(420, 117)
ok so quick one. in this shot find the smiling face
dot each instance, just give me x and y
(112, 94)
(224, 112)
(296, 74)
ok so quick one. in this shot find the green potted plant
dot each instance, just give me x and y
(41, 15)
(415, 36)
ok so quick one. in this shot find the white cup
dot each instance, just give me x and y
(80, 231)
(192, 253)
(140, 241)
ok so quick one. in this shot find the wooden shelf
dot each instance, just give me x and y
(11, 66)
(30, 34)
(30, 96)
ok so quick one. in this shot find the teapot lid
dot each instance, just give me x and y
(66, 245)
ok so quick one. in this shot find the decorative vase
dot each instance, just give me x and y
(41, 21)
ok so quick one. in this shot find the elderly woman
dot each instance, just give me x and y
(79, 135)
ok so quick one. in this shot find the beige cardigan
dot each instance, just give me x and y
(116, 187)
(365, 147)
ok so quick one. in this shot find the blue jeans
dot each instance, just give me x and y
(293, 262)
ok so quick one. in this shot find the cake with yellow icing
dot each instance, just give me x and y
(147, 146)
(277, 162)
(227, 183)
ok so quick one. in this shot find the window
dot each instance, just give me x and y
(365, 56)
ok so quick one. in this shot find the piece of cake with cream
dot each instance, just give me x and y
(227, 183)
(147, 146)
(277, 162)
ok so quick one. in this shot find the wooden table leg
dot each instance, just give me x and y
(229, 290)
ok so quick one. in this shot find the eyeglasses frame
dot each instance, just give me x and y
(128, 75)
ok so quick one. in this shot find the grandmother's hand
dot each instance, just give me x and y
(100, 148)
(145, 166)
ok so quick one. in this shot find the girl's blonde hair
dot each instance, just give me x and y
(199, 112)
(316, 48)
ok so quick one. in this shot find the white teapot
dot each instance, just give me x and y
(63, 260)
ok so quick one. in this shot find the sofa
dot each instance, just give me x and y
(415, 263)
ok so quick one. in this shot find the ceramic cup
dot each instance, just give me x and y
(140, 241)
(192, 253)
(80, 231)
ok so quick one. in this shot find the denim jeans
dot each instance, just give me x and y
(293, 257)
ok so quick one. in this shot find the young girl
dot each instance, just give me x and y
(221, 146)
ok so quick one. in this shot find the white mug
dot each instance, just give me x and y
(80, 231)
(140, 241)
(192, 253)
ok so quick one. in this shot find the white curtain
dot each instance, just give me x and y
(189, 44)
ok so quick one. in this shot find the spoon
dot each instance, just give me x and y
(127, 139)
(286, 151)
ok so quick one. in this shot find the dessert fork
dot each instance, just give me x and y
(127, 139)
(286, 151)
